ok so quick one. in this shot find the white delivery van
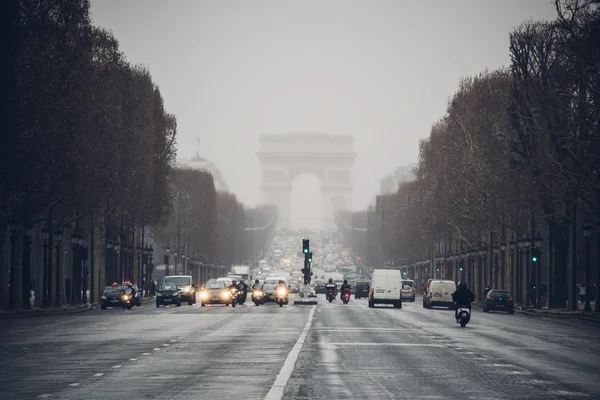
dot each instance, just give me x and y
(386, 288)
(440, 294)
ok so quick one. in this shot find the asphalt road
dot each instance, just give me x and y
(330, 351)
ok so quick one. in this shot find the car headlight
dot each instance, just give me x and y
(203, 295)
(187, 290)
(158, 294)
(103, 297)
(125, 297)
(226, 295)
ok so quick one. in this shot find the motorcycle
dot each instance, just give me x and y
(281, 296)
(346, 296)
(241, 296)
(464, 316)
(330, 295)
(234, 297)
(127, 300)
(258, 297)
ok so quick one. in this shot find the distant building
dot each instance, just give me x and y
(200, 163)
(390, 183)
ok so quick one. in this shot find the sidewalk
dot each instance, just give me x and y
(36, 312)
(559, 313)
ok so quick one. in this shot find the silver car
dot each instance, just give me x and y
(408, 293)
(215, 292)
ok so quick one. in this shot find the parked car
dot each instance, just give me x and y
(499, 300)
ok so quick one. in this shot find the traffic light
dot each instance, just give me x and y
(309, 257)
(535, 256)
(307, 275)
(305, 246)
(404, 273)
(461, 268)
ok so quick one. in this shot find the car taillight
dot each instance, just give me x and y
(372, 291)
(510, 299)
(400, 292)
(490, 298)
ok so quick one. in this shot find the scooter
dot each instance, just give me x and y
(281, 296)
(464, 316)
(258, 296)
(234, 294)
(330, 295)
(346, 296)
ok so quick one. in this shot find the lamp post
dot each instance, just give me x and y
(26, 284)
(587, 235)
(537, 246)
(47, 280)
(176, 254)
(167, 260)
(597, 305)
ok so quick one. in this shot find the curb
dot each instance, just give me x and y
(46, 311)
(563, 316)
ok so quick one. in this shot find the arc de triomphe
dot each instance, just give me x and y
(328, 157)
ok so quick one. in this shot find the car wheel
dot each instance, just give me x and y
(191, 302)
(511, 311)
(157, 304)
(103, 307)
(371, 304)
(179, 304)
(202, 304)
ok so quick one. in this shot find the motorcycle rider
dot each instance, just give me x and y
(256, 285)
(345, 286)
(242, 287)
(281, 285)
(462, 297)
(331, 286)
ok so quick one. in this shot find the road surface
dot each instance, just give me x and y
(329, 351)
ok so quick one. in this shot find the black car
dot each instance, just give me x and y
(362, 289)
(499, 300)
(111, 297)
(168, 294)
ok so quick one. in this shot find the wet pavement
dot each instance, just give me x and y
(330, 351)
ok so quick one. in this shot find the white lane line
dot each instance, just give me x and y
(116, 366)
(133, 359)
(45, 395)
(166, 345)
(173, 340)
(156, 349)
(74, 384)
(146, 354)
(98, 374)
(387, 344)
(276, 392)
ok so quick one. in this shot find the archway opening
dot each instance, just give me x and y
(305, 211)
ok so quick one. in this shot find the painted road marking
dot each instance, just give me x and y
(74, 384)
(116, 366)
(45, 395)
(146, 354)
(133, 359)
(156, 349)
(166, 345)
(98, 374)
(388, 344)
(173, 340)
(276, 392)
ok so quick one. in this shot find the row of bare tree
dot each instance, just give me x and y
(87, 161)
(514, 164)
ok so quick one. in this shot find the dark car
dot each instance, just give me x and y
(362, 289)
(168, 294)
(320, 288)
(499, 300)
(111, 297)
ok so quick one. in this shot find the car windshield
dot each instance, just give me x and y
(178, 280)
(168, 287)
(110, 290)
(214, 285)
(500, 293)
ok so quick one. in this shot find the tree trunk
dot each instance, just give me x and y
(16, 268)
(560, 243)
(4, 260)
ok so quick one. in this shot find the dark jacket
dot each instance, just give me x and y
(463, 297)
(345, 286)
(331, 286)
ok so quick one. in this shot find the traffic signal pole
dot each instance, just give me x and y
(307, 273)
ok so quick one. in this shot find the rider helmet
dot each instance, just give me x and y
(345, 281)
(233, 281)
(330, 280)
(256, 281)
(462, 285)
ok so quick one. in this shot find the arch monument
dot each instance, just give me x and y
(328, 157)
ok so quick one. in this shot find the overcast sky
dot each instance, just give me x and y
(380, 70)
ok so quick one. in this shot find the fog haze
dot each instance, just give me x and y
(381, 71)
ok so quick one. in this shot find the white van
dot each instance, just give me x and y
(386, 288)
(440, 294)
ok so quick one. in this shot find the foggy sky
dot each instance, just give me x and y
(381, 71)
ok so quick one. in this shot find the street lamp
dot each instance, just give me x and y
(587, 234)
(58, 240)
